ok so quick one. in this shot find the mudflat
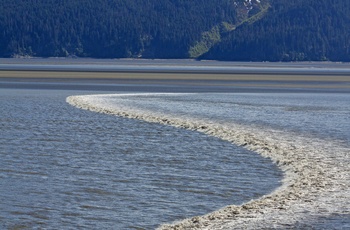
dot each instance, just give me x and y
(324, 82)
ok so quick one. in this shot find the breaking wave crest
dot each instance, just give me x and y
(316, 182)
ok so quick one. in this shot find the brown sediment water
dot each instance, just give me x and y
(317, 174)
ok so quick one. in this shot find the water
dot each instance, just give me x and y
(308, 133)
(62, 167)
(312, 114)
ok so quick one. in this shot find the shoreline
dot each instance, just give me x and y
(171, 75)
(227, 76)
(313, 187)
(230, 75)
(174, 82)
(168, 66)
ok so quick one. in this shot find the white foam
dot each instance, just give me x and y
(316, 182)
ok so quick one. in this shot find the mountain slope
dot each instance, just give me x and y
(291, 31)
(111, 28)
(239, 30)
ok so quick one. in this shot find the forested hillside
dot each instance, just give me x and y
(247, 30)
(298, 30)
(111, 28)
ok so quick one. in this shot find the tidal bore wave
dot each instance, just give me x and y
(315, 186)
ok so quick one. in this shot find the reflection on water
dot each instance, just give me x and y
(64, 167)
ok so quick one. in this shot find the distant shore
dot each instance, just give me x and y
(228, 75)
(173, 66)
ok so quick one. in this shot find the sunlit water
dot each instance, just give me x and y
(62, 167)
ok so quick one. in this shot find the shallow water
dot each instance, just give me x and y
(63, 167)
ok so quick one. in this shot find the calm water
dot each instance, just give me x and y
(62, 167)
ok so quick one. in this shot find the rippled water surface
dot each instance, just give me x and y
(62, 167)
(316, 114)
(322, 119)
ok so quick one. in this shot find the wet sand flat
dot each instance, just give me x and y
(195, 75)
(228, 80)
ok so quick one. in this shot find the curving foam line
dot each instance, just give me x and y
(316, 183)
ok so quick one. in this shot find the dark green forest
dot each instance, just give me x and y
(266, 30)
(107, 28)
(298, 30)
